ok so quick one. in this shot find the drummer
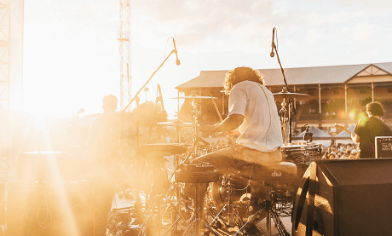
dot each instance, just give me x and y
(252, 108)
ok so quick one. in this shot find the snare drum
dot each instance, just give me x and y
(301, 152)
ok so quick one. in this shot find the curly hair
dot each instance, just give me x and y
(240, 74)
(375, 108)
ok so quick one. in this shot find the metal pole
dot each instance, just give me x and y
(319, 86)
(372, 92)
(345, 98)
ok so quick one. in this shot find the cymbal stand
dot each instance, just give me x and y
(277, 56)
(196, 113)
(292, 112)
(284, 121)
(230, 208)
(285, 114)
(287, 132)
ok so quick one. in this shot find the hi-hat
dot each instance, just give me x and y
(286, 94)
(195, 97)
(289, 95)
(176, 123)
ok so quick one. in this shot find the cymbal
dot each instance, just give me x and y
(176, 123)
(162, 149)
(195, 97)
(289, 95)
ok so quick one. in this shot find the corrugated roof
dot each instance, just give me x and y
(294, 76)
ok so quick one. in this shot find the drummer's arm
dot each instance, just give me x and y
(230, 123)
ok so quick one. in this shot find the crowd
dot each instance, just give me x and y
(340, 151)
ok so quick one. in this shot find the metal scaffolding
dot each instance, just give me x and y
(125, 52)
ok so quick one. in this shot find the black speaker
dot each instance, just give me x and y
(345, 197)
(55, 209)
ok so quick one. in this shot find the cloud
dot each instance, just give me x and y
(216, 25)
(374, 4)
(363, 31)
(313, 34)
(346, 3)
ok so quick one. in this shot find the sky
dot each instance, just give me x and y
(71, 52)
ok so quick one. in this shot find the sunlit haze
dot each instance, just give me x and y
(71, 51)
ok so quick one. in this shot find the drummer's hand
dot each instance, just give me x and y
(208, 129)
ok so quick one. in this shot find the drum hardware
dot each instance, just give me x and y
(286, 114)
(287, 171)
(301, 152)
(275, 179)
(230, 208)
(286, 94)
(198, 177)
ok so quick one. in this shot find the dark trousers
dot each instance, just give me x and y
(366, 154)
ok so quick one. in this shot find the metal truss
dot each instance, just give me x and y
(125, 52)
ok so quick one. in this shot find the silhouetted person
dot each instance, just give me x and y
(368, 128)
(103, 149)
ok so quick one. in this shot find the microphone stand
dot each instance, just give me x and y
(280, 64)
(284, 90)
(138, 92)
(136, 98)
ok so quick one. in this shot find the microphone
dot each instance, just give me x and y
(175, 51)
(272, 54)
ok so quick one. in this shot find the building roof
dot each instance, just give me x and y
(294, 76)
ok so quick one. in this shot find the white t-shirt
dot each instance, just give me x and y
(261, 129)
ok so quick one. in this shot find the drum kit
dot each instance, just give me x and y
(198, 200)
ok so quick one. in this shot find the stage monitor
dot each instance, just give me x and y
(344, 197)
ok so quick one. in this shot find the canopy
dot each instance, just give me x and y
(345, 134)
